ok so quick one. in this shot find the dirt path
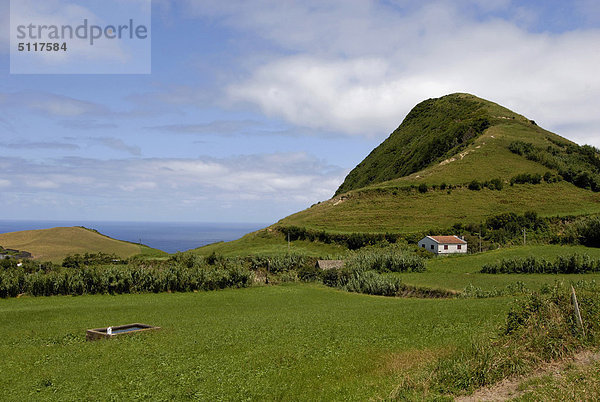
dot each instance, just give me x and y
(509, 388)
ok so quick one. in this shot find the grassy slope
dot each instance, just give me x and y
(56, 243)
(384, 207)
(415, 212)
(266, 242)
(286, 342)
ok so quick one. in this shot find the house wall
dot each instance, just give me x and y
(436, 248)
(428, 243)
(452, 249)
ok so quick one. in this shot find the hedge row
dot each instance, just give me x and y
(573, 264)
(385, 261)
(352, 241)
(116, 279)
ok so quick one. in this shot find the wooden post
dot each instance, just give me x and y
(577, 312)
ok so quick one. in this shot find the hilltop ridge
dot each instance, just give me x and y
(434, 130)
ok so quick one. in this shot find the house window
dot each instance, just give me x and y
(459, 247)
(423, 245)
(445, 247)
(432, 246)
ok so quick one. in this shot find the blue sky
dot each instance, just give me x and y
(257, 109)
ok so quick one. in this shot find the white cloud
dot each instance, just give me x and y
(297, 178)
(358, 67)
(353, 96)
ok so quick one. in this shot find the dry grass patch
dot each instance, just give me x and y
(56, 243)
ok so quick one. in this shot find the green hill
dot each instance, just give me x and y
(434, 131)
(457, 159)
(56, 243)
(420, 177)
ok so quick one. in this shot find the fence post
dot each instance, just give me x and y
(577, 312)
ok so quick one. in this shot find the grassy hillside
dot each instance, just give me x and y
(391, 210)
(268, 242)
(437, 196)
(56, 243)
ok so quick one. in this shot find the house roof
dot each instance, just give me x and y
(330, 264)
(447, 239)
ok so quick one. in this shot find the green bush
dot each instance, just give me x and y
(373, 283)
(77, 260)
(495, 184)
(474, 185)
(385, 261)
(277, 263)
(576, 164)
(309, 273)
(589, 232)
(526, 178)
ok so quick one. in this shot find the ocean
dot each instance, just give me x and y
(167, 236)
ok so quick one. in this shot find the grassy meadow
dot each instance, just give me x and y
(460, 271)
(292, 342)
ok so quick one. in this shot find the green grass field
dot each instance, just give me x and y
(293, 341)
(286, 342)
(458, 272)
(56, 243)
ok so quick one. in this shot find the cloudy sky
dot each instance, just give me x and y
(256, 109)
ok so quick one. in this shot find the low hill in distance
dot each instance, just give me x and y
(56, 243)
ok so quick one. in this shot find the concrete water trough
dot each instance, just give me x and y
(109, 332)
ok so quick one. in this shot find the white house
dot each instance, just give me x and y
(443, 244)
